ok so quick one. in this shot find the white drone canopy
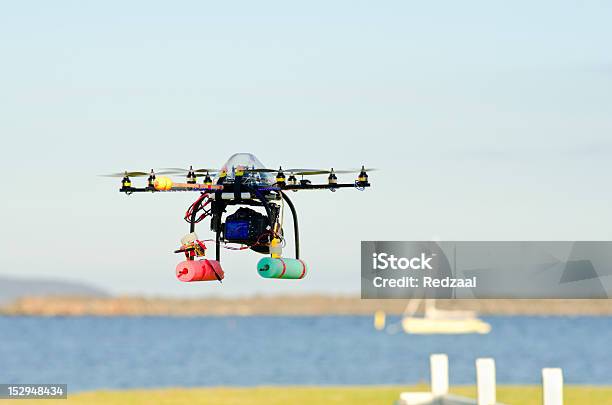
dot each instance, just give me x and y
(242, 161)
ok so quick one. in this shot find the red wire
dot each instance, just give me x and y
(189, 212)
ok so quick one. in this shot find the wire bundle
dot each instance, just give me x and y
(198, 204)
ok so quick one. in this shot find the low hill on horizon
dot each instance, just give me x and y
(14, 288)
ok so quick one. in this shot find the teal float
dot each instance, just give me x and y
(284, 268)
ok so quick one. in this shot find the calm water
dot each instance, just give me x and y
(89, 353)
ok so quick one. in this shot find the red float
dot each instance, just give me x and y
(199, 270)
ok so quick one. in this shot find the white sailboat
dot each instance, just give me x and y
(434, 320)
(440, 321)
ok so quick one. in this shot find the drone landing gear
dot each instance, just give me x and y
(199, 270)
(274, 267)
(196, 267)
(283, 267)
(286, 268)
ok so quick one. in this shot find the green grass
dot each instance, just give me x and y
(374, 395)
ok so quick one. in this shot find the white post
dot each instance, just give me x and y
(552, 385)
(485, 381)
(438, 364)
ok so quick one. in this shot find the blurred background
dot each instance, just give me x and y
(486, 120)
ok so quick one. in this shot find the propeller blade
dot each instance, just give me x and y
(123, 174)
(308, 172)
(178, 170)
(206, 170)
(136, 174)
(311, 172)
(300, 171)
(264, 170)
(290, 171)
(314, 172)
(164, 172)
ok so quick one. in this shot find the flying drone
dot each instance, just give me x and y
(243, 182)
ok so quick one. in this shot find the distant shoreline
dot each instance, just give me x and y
(284, 305)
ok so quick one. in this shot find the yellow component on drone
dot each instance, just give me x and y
(159, 183)
(162, 183)
(276, 249)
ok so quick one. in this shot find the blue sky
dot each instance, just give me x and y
(488, 120)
